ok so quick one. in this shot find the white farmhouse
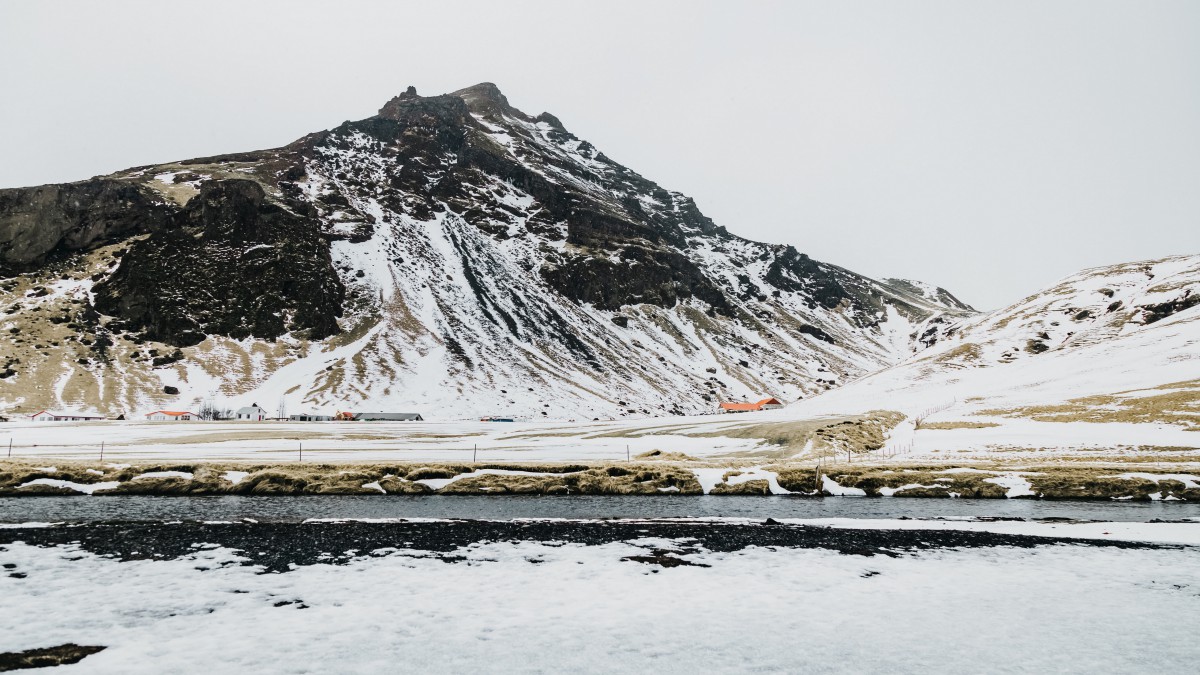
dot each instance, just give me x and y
(251, 413)
(49, 416)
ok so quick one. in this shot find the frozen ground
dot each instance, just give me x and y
(377, 441)
(700, 437)
(552, 606)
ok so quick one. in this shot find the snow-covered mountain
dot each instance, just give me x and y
(1109, 344)
(451, 255)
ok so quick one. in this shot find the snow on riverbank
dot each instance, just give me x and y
(85, 488)
(710, 478)
(439, 483)
(584, 609)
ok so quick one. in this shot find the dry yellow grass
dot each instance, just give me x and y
(958, 424)
(789, 437)
(965, 352)
(1099, 481)
(1048, 482)
(338, 478)
(1179, 404)
(866, 433)
(836, 435)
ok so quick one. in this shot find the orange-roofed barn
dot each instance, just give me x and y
(171, 416)
(765, 404)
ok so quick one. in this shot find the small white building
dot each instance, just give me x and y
(252, 413)
(171, 416)
(310, 417)
(49, 416)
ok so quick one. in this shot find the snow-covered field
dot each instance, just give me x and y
(700, 437)
(555, 607)
(376, 441)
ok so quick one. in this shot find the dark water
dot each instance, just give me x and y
(290, 509)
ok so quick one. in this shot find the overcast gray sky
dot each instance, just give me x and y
(989, 147)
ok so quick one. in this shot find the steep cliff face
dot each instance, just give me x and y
(456, 256)
(38, 222)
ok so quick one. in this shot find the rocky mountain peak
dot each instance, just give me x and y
(486, 98)
(553, 121)
(410, 106)
(449, 254)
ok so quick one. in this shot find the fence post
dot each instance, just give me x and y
(101, 451)
(475, 454)
(301, 446)
(10, 447)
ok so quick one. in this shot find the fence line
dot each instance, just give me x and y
(331, 453)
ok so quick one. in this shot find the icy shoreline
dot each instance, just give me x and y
(280, 547)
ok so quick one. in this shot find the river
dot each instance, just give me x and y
(298, 508)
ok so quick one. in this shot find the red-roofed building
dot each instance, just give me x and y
(738, 407)
(171, 416)
(765, 404)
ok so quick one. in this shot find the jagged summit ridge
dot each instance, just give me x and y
(461, 258)
(486, 98)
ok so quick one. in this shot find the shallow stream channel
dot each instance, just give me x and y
(76, 509)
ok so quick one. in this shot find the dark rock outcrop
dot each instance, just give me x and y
(1159, 311)
(642, 275)
(796, 272)
(233, 263)
(47, 657)
(817, 333)
(37, 222)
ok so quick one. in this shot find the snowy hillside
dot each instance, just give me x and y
(1107, 358)
(451, 255)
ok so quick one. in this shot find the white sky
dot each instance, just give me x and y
(989, 147)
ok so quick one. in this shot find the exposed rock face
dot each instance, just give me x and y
(36, 222)
(639, 275)
(470, 259)
(929, 292)
(1160, 310)
(232, 264)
